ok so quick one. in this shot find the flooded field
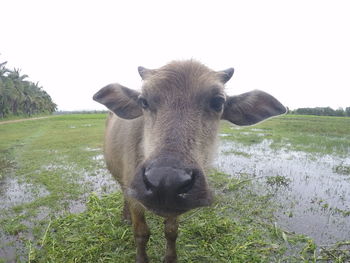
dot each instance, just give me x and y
(312, 192)
(46, 171)
(14, 194)
(50, 167)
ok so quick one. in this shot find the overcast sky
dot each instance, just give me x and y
(299, 51)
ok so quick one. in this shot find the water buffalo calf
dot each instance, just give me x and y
(159, 142)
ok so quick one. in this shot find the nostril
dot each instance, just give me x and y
(147, 183)
(187, 182)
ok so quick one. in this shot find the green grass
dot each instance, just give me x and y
(51, 156)
(240, 231)
(237, 153)
(44, 152)
(23, 116)
(342, 169)
(313, 134)
(277, 181)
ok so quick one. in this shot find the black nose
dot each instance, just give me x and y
(169, 186)
(167, 182)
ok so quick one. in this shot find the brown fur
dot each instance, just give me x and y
(179, 121)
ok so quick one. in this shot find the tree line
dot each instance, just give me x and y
(19, 96)
(322, 111)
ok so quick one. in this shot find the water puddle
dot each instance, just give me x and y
(9, 252)
(314, 198)
(97, 180)
(88, 149)
(13, 192)
(98, 157)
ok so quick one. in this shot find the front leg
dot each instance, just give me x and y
(126, 216)
(170, 230)
(141, 232)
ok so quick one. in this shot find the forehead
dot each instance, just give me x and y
(183, 78)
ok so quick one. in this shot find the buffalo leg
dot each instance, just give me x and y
(126, 212)
(141, 233)
(170, 229)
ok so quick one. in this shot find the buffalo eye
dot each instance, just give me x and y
(217, 103)
(143, 103)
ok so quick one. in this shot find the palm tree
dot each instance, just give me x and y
(19, 96)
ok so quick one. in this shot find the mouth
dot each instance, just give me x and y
(163, 208)
(165, 212)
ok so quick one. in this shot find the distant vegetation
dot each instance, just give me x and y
(322, 111)
(81, 112)
(21, 97)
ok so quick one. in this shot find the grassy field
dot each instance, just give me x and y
(51, 163)
(313, 134)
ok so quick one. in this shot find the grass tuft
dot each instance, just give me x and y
(342, 169)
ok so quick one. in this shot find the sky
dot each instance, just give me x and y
(298, 51)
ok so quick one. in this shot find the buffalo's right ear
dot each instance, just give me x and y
(121, 100)
(251, 107)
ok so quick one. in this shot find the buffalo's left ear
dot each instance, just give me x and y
(251, 107)
(225, 75)
(121, 100)
(145, 72)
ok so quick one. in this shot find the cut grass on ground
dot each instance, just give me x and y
(239, 231)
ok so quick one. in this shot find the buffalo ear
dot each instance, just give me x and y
(225, 75)
(121, 100)
(251, 107)
(145, 72)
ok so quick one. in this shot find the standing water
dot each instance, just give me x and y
(315, 197)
